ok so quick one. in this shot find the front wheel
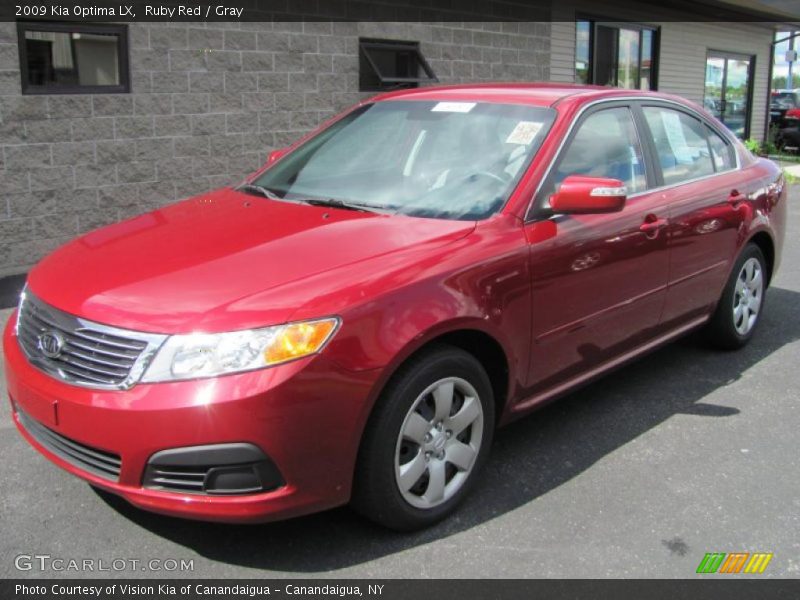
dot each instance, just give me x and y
(426, 440)
(741, 303)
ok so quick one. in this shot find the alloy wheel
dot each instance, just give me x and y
(748, 296)
(439, 442)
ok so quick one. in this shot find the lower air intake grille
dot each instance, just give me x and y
(177, 479)
(98, 462)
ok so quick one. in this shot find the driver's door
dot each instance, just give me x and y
(599, 280)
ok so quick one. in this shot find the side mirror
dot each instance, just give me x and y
(579, 194)
(275, 155)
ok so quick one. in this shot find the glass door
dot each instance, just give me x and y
(728, 90)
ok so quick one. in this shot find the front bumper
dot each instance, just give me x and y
(306, 416)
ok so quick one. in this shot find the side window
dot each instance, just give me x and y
(681, 144)
(721, 151)
(605, 145)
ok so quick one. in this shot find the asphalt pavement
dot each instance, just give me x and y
(685, 452)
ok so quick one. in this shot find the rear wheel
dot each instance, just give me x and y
(742, 302)
(426, 440)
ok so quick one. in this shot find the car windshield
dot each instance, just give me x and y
(448, 160)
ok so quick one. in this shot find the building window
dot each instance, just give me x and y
(619, 55)
(728, 91)
(390, 64)
(67, 58)
(786, 71)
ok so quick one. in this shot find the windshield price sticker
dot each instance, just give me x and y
(524, 132)
(457, 107)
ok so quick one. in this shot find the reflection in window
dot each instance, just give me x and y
(447, 160)
(727, 90)
(615, 55)
(715, 72)
(582, 52)
(785, 41)
(66, 58)
(605, 145)
(646, 65)
(721, 151)
(628, 59)
(681, 144)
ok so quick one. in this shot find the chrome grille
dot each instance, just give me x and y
(101, 463)
(82, 352)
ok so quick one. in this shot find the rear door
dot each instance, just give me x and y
(705, 193)
(598, 280)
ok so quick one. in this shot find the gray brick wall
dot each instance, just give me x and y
(208, 101)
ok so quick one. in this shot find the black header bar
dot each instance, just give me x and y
(378, 10)
(392, 589)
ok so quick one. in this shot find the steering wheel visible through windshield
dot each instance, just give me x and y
(448, 160)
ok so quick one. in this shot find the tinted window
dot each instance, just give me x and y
(605, 145)
(681, 144)
(721, 151)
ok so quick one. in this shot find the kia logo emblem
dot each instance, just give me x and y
(51, 343)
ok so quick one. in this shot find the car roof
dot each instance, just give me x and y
(538, 94)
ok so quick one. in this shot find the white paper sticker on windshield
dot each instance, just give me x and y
(459, 107)
(524, 132)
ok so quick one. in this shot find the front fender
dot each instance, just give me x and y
(479, 283)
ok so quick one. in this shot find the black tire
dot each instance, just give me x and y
(721, 330)
(376, 494)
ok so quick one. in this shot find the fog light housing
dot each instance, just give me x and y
(218, 469)
(240, 479)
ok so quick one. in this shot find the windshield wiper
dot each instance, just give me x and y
(330, 202)
(259, 189)
(344, 204)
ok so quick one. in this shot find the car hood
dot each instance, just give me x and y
(194, 265)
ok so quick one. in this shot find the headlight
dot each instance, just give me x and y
(210, 354)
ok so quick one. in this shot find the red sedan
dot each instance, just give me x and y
(353, 322)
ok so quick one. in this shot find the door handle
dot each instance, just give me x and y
(651, 225)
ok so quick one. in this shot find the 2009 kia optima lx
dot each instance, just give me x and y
(354, 321)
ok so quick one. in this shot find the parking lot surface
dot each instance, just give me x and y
(684, 452)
